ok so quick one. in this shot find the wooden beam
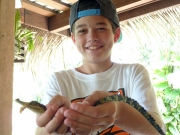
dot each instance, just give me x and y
(62, 3)
(55, 4)
(19, 61)
(7, 14)
(65, 33)
(59, 22)
(37, 8)
(147, 9)
(72, 1)
(33, 19)
(125, 5)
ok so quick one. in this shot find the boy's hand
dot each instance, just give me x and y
(52, 119)
(85, 118)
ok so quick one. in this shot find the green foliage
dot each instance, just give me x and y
(170, 96)
(22, 35)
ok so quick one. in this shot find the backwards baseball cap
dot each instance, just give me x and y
(93, 7)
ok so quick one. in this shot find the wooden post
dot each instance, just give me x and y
(7, 11)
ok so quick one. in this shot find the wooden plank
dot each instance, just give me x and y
(55, 4)
(62, 3)
(37, 8)
(33, 19)
(72, 1)
(19, 61)
(22, 13)
(125, 5)
(63, 24)
(147, 9)
(59, 22)
(7, 13)
(65, 33)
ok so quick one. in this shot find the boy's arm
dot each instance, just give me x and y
(132, 121)
(96, 118)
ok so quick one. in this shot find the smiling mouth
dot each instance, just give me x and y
(94, 47)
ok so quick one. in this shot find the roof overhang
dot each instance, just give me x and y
(46, 19)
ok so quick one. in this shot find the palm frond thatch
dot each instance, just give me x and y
(154, 25)
(45, 52)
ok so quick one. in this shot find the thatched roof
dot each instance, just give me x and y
(158, 23)
(152, 26)
(153, 30)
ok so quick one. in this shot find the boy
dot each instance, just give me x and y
(71, 94)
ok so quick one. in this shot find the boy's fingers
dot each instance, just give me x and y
(94, 97)
(80, 128)
(87, 120)
(52, 118)
(62, 129)
(59, 101)
(94, 112)
(53, 124)
(44, 118)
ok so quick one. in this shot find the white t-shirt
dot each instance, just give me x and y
(130, 79)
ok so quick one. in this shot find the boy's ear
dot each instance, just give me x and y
(73, 38)
(117, 34)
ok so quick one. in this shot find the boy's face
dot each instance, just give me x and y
(94, 38)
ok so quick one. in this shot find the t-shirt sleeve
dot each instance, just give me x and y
(144, 94)
(51, 88)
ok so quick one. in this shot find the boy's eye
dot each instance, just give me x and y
(81, 31)
(100, 28)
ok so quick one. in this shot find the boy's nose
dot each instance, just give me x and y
(93, 36)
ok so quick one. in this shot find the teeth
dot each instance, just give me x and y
(93, 47)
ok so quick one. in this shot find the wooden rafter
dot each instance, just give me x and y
(127, 9)
(122, 5)
(147, 9)
(61, 21)
(72, 1)
(33, 19)
(55, 4)
(125, 5)
(37, 8)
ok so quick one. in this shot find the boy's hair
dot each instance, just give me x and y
(94, 7)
